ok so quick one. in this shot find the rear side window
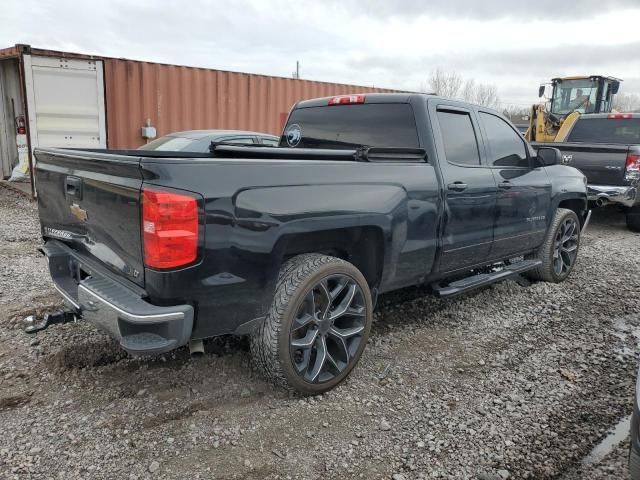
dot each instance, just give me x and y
(505, 144)
(606, 130)
(459, 137)
(350, 126)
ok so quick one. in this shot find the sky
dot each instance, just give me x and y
(512, 44)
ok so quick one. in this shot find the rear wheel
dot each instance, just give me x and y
(633, 218)
(317, 326)
(559, 251)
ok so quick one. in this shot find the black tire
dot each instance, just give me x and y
(633, 218)
(634, 464)
(304, 295)
(559, 252)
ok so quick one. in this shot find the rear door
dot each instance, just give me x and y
(524, 192)
(91, 202)
(470, 189)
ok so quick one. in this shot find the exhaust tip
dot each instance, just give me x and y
(196, 348)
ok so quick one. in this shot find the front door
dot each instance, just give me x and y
(524, 192)
(470, 190)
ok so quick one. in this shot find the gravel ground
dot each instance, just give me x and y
(509, 382)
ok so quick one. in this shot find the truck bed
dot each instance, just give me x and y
(602, 164)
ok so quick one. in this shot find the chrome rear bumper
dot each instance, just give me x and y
(140, 327)
(604, 194)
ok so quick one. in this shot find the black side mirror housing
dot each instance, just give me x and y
(541, 91)
(548, 156)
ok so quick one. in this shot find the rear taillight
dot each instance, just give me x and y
(632, 167)
(620, 115)
(169, 228)
(346, 99)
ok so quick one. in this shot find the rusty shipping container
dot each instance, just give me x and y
(64, 99)
(178, 98)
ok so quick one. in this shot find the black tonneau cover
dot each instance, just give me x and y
(274, 153)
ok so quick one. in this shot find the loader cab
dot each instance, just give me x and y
(582, 94)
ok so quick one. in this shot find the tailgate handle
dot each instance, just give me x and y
(73, 187)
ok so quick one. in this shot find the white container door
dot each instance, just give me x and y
(65, 99)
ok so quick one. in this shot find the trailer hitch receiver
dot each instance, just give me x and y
(61, 316)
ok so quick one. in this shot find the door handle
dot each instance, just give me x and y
(505, 185)
(457, 186)
(73, 187)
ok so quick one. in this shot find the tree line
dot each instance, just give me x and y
(451, 84)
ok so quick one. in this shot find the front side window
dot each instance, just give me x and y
(505, 144)
(459, 137)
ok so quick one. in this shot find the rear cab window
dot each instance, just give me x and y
(624, 131)
(352, 126)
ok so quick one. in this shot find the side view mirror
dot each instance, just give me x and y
(541, 90)
(548, 156)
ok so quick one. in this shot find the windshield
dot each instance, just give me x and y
(574, 96)
(349, 126)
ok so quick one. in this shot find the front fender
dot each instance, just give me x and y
(567, 183)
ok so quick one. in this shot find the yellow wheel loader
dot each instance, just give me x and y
(570, 97)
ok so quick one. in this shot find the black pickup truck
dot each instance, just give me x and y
(606, 148)
(292, 244)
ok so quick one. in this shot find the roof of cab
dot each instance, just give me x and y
(393, 98)
(368, 98)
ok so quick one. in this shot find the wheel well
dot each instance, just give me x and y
(578, 206)
(361, 246)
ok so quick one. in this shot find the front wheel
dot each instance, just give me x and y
(317, 326)
(633, 218)
(559, 251)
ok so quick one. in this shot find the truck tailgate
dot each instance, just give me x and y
(602, 164)
(91, 202)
